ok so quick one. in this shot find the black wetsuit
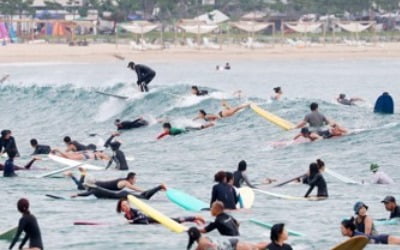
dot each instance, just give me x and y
(118, 157)
(224, 193)
(225, 224)
(29, 225)
(26, 167)
(81, 147)
(9, 169)
(8, 145)
(274, 246)
(110, 185)
(202, 92)
(140, 218)
(144, 75)
(79, 183)
(132, 124)
(41, 149)
(239, 177)
(319, 181)
(395, 213)
(102, 193)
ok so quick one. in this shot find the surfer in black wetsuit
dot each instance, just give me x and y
(134, 216)
(197, 92)
(278, 237)
(9, 166)
(7, 142)
(144, 74)
(240, 176)
(315, 178)
(223, 192)
(118, 156)
(75, 146)
(125, 125)
(224, 223)
(29, 225)
(39, 149)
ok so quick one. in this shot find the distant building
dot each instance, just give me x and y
(63, 3)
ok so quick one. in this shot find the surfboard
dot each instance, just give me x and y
(67, 198)
(354, 243)
(185, 200)
(70, 162)
(56, 171)
(89, 223)
(8, 234)
(247, 197)
(278, 121)
(156, 215)
(269, 226)
(341, 177)
(289, 181)
(384, 222)
(289, 197)
(112, 95)
(384, 105)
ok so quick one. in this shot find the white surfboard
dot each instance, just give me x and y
(74, 163)
(57, 171)
(112, 95)
(341, 177)
(289, 197)
(247, 197)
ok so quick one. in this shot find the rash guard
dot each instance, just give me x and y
(29, 225)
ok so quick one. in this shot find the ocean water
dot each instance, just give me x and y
(48, 101)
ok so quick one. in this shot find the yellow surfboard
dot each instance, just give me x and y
(156, 215)
(278, 121)
(354, 243)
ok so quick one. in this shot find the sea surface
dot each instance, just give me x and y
(48, 101)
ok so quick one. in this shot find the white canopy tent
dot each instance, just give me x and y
(355, 28)
(196, 27)
(141, 28)
(304, 27)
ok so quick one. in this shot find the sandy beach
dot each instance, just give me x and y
(14, 53)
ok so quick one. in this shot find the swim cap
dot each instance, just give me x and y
(342, 96)
(305, 131)
(131, 64)
(374, 167)
(358, 206)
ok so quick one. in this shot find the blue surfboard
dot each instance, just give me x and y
(186, 201)
(384, 104)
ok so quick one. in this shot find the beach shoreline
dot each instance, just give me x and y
(98, 53)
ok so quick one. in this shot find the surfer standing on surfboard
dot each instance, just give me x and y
(144, 75)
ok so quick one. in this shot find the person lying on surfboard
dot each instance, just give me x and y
(118, 156)
(224, 223)
(348, 228)
(169, 130)
(125, 125)
(74, 146)
(206, 117)
(315, 179)
(343, 100)
(334, 131)
(83, 155)
(134, 216)
(306, 133)
(197, 92)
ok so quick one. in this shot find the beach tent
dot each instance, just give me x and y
(251, 26)
(196, 27)
(355, 28)
(141, 28)
(213, 17)
(304, 27)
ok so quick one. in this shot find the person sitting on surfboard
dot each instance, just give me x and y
(197, 92)
(230, 180)
(391, 206)
(223, 192)
(240, 176)
(125, 125)
(348, 228)
(306, 133)
(144, 75)
(378, 176)
(315, 179)
(134, 216)
(224, 223)
(363, 222)
(74, 146)
(118, 156)
(278, 93)
(39, 149)
(343, 100)
(83, 155)
(315, 119)
(30, 226)
(278, 237)
(169, 130)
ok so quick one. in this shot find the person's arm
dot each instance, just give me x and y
(110, 162)
(109, 140)
(138, 70)
(83, 194)
(21, 226)
(29, 164)
(312, 183)
(133, 187)
(162, 135)
(246, 180)
(368, 225)
(315, 137)
(209, 227)
(213, 196)
(301, 124)
(297, 137)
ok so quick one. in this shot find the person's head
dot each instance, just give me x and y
(131, 65)
(242, 166)
(227, 64)
(23, 206)
(67, 140)
(278, 233)
(321, 165)
(374, 167)
(360, 208)
(342, 96)
(220, 177)
(202, 113)
(390, 203)
(123, 205)
(277, 90)
(314, 106)
(217, 67)
(12, 153)
(6, 134)
(167, 126)
(117, 122)
(305, 132)
(217, 208)
(229, 178)
(34, 143)
(194, 236)
(115, 145)
(313, 169)
(195, 90)
(131, 177)
(347, 227)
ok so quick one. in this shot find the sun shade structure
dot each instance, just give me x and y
(304, 27)
(251, 26)
(139, 27)
(196, 27)
(355, 27)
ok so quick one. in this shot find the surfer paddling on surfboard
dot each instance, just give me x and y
(74, 146)
(197, 92)
(134, 216)
(125, 125)
(144, 75)
(169, 130)
(343, 100)
(80, 156)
